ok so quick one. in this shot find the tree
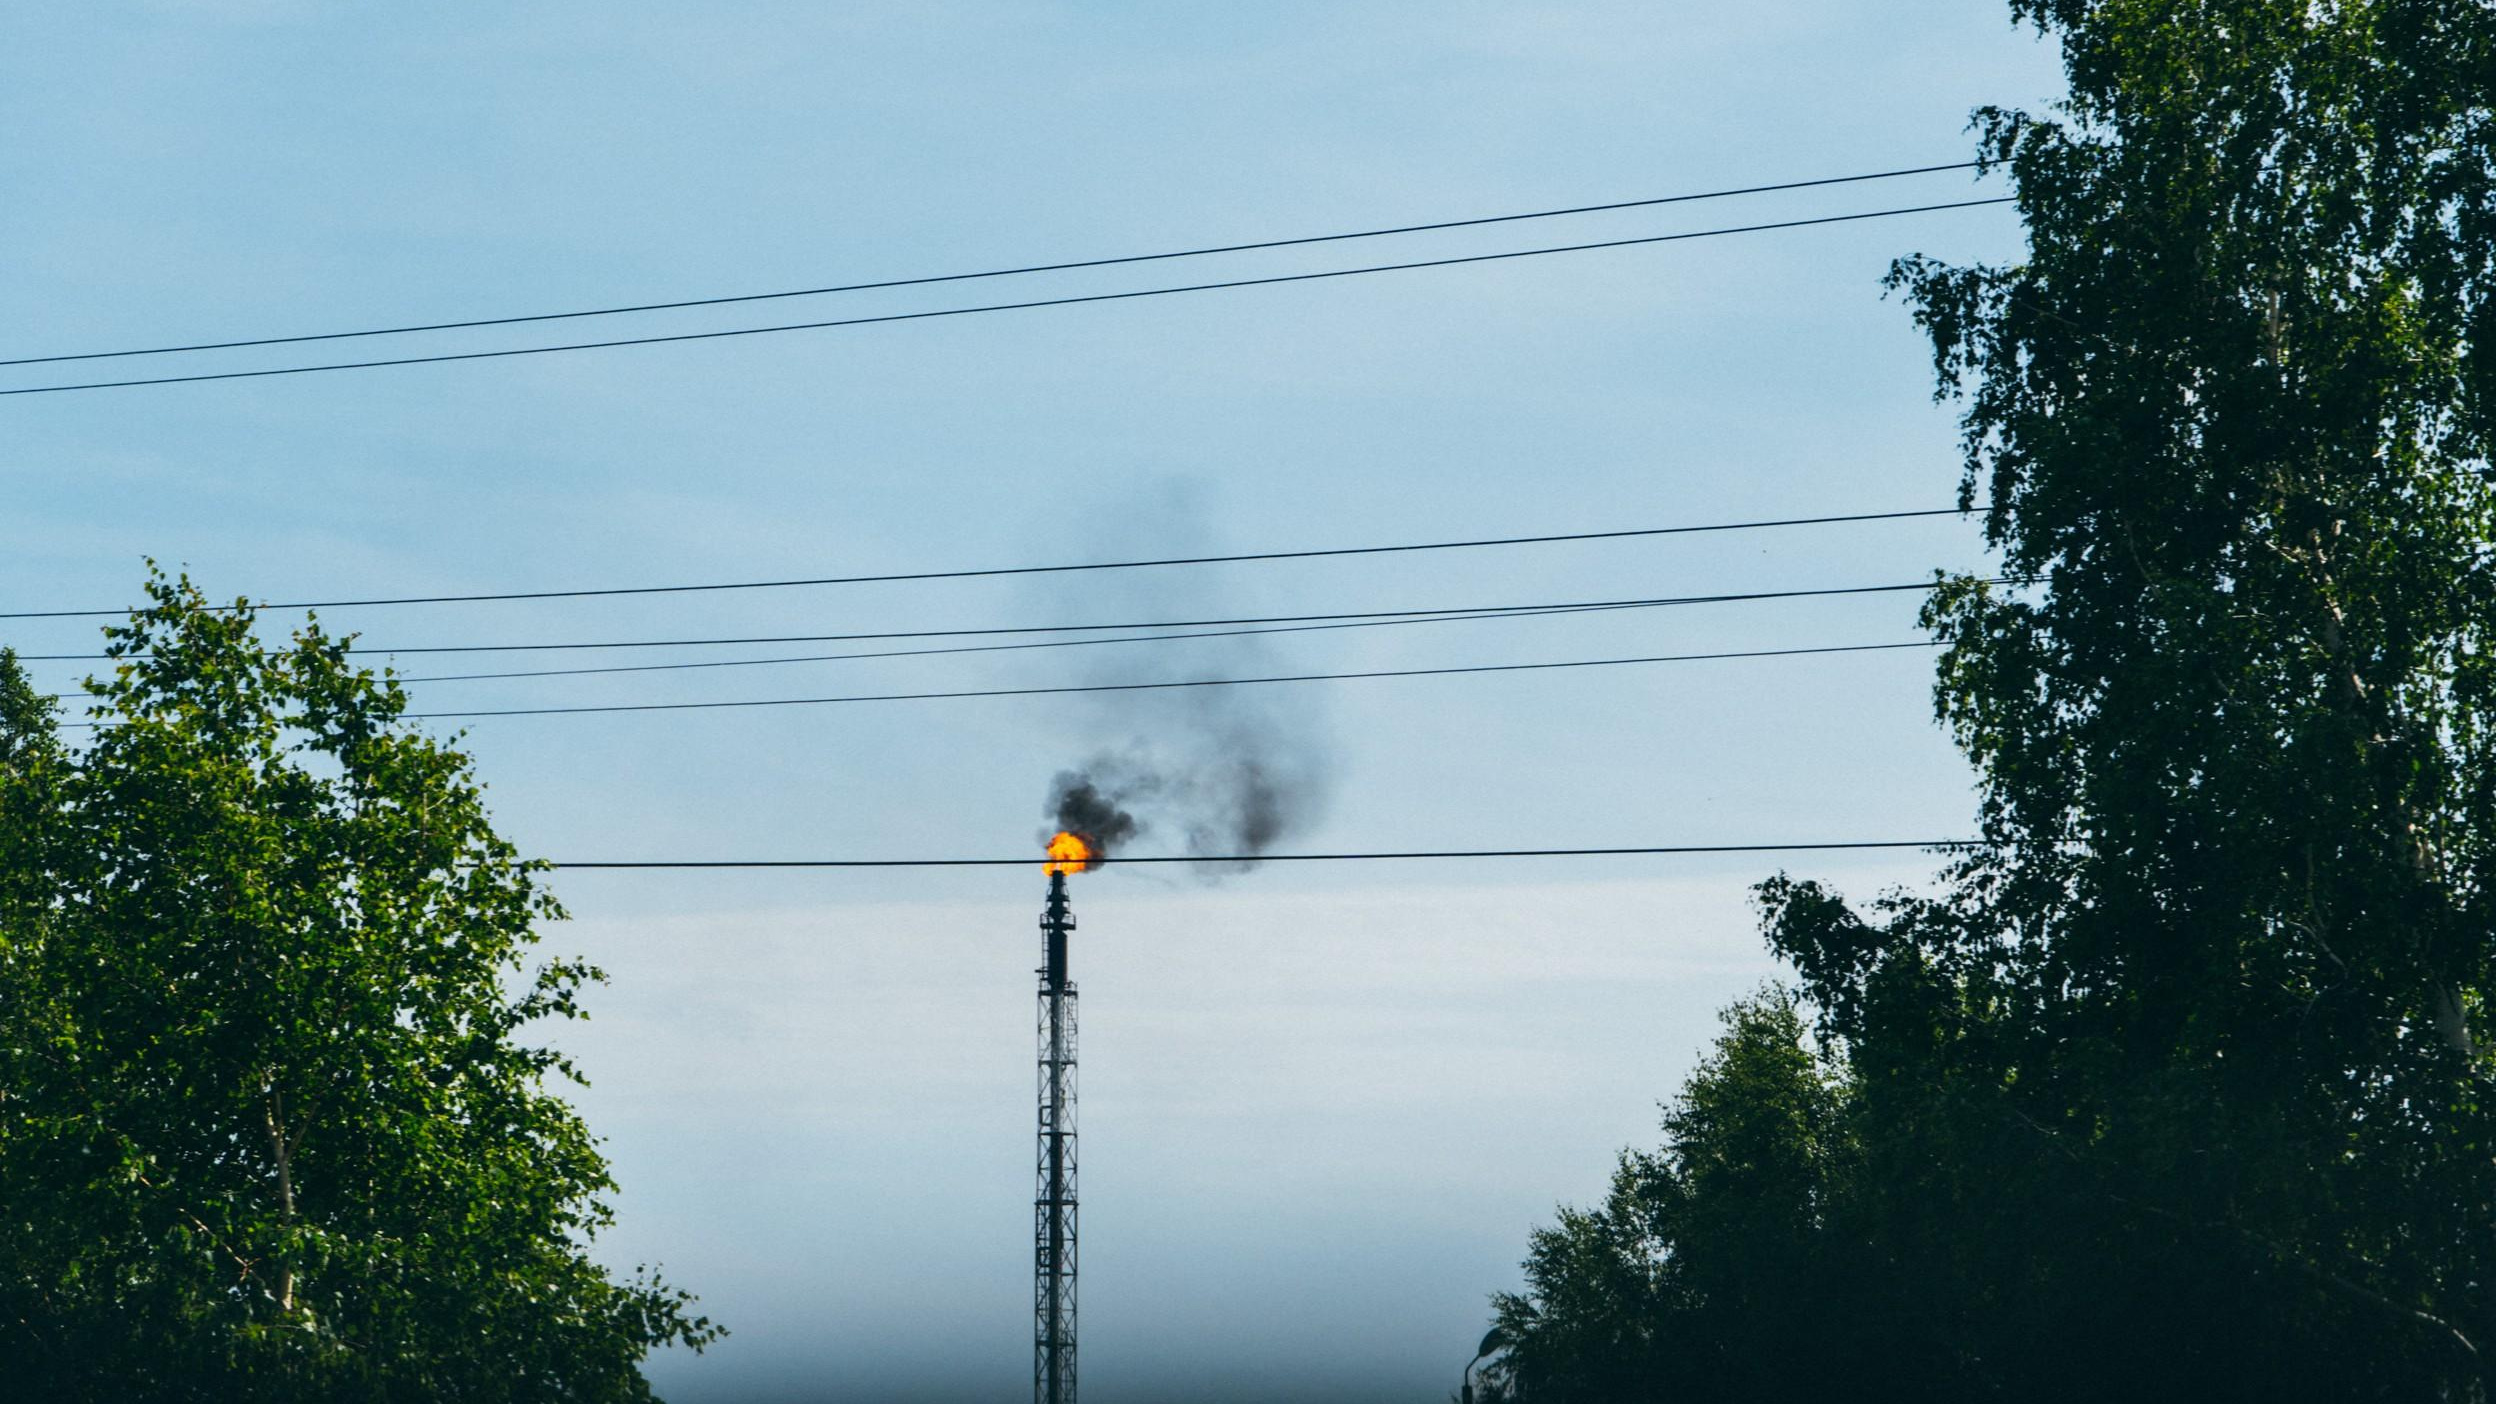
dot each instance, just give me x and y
(2205, 1006)
(267, 1125)
(1687, 1281)
(2181, 1084)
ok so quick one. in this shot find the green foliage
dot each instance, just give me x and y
(2181, 1086)
(267, 1128)
(1681, 1284)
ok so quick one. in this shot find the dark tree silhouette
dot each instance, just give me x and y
(2182, 1085)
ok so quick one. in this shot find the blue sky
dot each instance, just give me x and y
(1321, 1108)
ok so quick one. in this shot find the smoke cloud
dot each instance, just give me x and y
(1227, 789)
(1226, 774)
(1094, 805)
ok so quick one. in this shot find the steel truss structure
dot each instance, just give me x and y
(1053, 1207)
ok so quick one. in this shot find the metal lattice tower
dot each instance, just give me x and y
(1053, 1208)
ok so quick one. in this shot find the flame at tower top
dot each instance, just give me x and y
(1071, 852)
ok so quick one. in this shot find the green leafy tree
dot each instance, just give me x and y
(2182, 1085)
(2205, 1017)
(1687, 1281)
(268, 1128)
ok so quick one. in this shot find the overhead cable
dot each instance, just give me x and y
(1019, 647)
(1486, 611)
(680, 864)
(968, 648)
(473, 713)
(891, 317)
(1012, 272)
(469, 713)
(989, 571)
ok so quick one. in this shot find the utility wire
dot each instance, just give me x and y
(988, 273)
(1004, 306)
(1469, 853)
(965, 648)
(1486, 611)
(1156, 686)
(989, 571)
(1128, 687)
(1016, 647)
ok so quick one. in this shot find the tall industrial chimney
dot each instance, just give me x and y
(1053, 1235)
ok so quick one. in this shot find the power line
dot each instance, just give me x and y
(1373, 857)
(1131, 687)
(1155, 686)
(990, 571)
(1013, 647)
(1011, 272)
(1271, 281)
(970, 648)
(1486, 611)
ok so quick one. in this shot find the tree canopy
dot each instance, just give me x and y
(1703, 1249)
(269, 1127)
(2181, 1084)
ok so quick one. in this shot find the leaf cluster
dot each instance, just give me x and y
(269, 1126)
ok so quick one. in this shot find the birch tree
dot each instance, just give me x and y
(271, 1124)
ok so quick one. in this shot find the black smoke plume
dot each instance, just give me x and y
(1083, 807)
(1226, 789)
(1222, 774)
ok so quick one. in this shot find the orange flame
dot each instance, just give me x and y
(1070, 853)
